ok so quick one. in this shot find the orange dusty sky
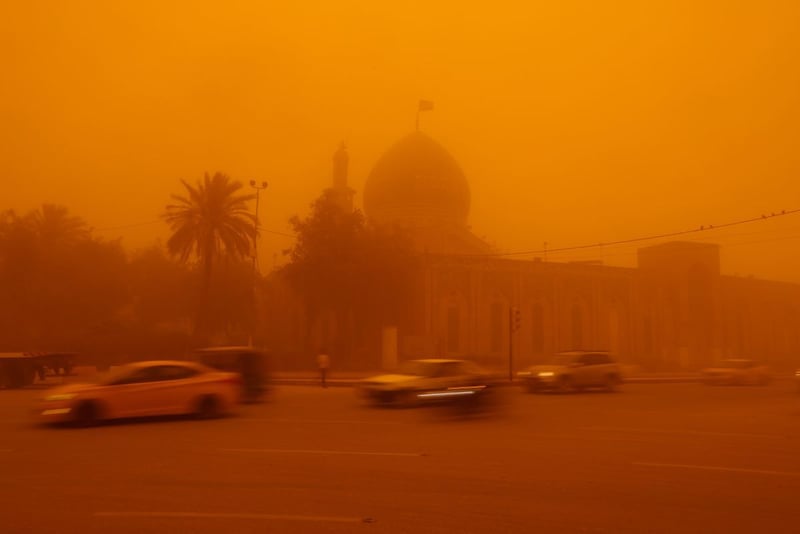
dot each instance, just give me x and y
(575, 121)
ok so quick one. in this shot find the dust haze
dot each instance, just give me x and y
(574, 123)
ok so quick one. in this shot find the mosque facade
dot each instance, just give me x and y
(673, 311)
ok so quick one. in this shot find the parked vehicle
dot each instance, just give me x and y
(427, 381)
(143, 389)
(20, 369)
(737, 372)
(250, 363)
(572, 371)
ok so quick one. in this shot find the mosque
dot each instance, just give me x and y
(673, 311)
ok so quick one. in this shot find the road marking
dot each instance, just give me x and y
(311, 451)
(679, 431)
(317, 421)
(199, 515)
(719, 468)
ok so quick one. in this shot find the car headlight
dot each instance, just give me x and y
(524, 373)
(547, 373)
(61, 397)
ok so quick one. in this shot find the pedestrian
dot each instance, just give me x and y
(323, 362)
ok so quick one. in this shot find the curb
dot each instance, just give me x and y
(355, 382)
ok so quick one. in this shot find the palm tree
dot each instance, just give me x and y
(54, 227)
(53, 224)
(210, 221)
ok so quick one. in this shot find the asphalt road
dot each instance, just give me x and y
(680, 458)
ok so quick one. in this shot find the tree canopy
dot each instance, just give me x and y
(210, 221)
(343, 263)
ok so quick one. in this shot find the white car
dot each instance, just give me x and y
(573, 371)
(418, 382)
(142, 389)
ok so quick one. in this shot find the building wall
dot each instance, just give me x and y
(675, 311)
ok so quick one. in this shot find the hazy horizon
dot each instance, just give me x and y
(574, 124)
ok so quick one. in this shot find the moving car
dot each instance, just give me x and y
(573, 371)
(737, 372)
(144, 389)
(427, 381)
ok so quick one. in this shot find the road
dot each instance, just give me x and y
(671, 458)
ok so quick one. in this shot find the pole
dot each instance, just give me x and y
(511, 344)
(258, 189)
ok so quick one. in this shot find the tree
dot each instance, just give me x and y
(210, 222)
(57, 282)
(54, 226)
(342, 264)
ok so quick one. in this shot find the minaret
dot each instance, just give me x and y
(341, 192)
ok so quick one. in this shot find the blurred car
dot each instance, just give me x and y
(737, 372)
(250, 363)
(573, 371)
(427, 381)
(143, 389)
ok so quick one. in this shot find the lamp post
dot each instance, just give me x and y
(258, 187)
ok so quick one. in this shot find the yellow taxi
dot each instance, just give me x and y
(149, 388)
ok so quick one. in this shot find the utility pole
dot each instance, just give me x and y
(258, 187)
(514, 324)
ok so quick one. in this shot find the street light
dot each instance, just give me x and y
(258, 187)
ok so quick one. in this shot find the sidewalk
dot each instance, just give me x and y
(350, 379)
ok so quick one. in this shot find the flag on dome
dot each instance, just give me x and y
(425, 105)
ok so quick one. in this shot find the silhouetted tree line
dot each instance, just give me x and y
(62, 288)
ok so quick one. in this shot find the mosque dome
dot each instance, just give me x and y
(417, 181)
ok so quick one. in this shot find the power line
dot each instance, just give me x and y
(643, 238)
(293, 236)
(124, 226)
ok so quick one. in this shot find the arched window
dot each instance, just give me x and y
(647, 335)
(497, 326)
(577, 327)
(453, 329)
(537, 328)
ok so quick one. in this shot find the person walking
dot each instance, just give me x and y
(323, 362)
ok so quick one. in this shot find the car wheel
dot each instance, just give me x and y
(565, 385)
(87, 414)
(612, 383)
(405, 399)
(208, 408)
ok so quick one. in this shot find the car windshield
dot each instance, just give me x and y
(560, 359)
(417, 368)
